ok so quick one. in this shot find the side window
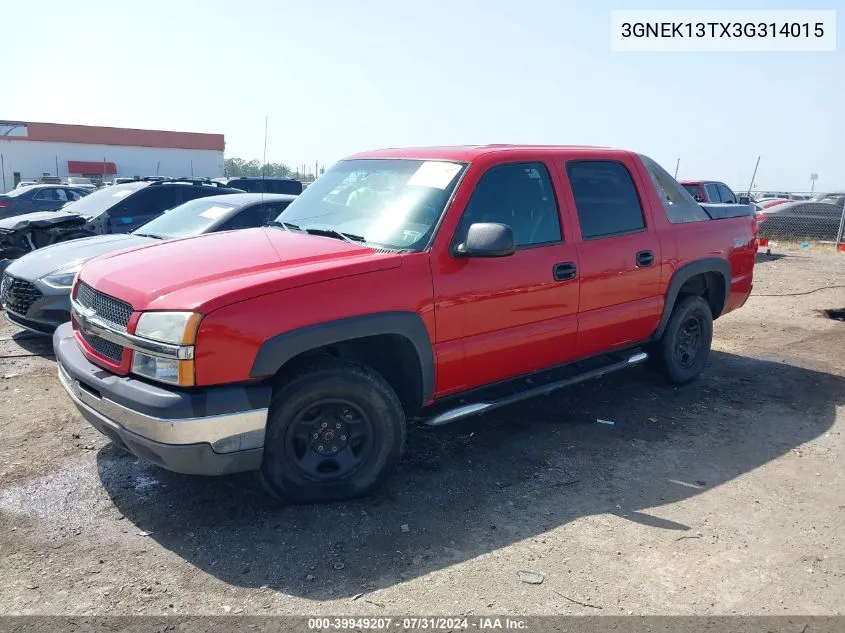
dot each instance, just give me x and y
(73, 194)
(726, 194)
(61, 195)
(605, 197)
(519, 195)
(256, 215)
(274, 209)
(679, 204)
(48, 194)
(149, 201)
(712, 192)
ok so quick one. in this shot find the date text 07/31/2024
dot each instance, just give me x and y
(417, 623)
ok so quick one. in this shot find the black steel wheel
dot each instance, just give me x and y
(329, 440)
(684, 348)
(688, 343)
(335, 431)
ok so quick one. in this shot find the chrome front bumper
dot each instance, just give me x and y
(203, 443)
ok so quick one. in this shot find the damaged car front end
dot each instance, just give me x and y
(23, 234)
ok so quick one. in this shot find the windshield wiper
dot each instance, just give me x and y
(155, 237)
(347, 237)
(287, 226)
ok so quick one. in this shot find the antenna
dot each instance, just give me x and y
(678, 164)
(264, 161)
(753, 176)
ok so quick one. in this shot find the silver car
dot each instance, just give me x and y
(35, 289)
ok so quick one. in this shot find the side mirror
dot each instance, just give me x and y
(487, 239)
(744, 200)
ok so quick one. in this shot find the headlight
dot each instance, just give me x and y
(178, 328)
(169, 370)
(62, 278)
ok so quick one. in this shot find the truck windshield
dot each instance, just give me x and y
(394, 203)
(192, 218)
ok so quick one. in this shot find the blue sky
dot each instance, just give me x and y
(339, 77)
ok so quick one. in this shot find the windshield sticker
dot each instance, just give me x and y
(212, 213)
(434, 174)
(122, 193)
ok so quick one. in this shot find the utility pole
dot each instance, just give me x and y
(813, 178)
(57, 165)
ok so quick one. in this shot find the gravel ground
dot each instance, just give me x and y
(724, 496)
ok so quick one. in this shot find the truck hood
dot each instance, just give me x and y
(49, 259)
(40, 219)
(207, 272)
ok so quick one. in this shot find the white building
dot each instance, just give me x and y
(29, 151)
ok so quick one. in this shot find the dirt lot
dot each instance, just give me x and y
(725, 496)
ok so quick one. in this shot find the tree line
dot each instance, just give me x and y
(240, 167)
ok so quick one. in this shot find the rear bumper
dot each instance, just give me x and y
(204, 431)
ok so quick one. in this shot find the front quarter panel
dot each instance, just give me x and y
(230, 338)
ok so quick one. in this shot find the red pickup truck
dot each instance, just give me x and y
(424, 282)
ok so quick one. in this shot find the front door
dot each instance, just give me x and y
(497, 318)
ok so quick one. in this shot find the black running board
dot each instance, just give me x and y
(464, 411)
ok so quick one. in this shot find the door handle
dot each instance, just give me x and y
(645, 259)
(564, 271)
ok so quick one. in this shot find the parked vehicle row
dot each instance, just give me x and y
(36, 288)
(798, 221)
(116, 209)
(38, 198)
(422, 282)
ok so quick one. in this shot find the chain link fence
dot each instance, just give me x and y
(799, 218)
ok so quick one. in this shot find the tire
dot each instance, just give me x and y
(683, 350)
(335, 431)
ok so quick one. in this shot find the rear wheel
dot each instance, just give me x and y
(335, 431)
(682, 351)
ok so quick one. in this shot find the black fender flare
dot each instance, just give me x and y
(279, 349)
(717, 265)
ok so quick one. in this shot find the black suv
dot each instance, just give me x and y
(257, 184)
(116, 209)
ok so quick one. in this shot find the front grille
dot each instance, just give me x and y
(113, 311)
(103, 347)
(17, 295)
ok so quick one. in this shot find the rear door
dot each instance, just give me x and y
(618, 254)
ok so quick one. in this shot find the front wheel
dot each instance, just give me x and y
(335, 431)
(682, 351)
